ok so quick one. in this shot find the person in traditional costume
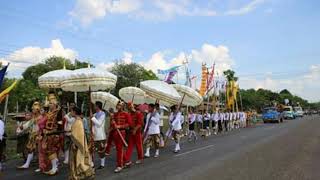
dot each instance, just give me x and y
(99, 132)
(120, 122)
(109, 140)
(42, 158)
(52, 131)
(79, 159)
(135, 136)
(2, 142)
(67, 139)
(175, 119)
(191, 121)
(23, 135)
(32, 125)
(151, 131)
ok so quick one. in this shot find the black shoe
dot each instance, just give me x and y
(101, 167)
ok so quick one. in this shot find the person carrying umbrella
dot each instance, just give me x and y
(99, 134)
(151, 133)
(175, 126)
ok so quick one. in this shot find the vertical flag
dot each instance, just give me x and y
(170, 76)
(3, 73)
(5, 92)
(210, 80)
(204, 79)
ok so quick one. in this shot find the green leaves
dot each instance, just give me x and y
(130, 75)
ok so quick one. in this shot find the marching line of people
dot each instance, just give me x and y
(52, 132)
(220, 121)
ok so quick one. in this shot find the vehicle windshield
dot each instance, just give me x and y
(265, 110)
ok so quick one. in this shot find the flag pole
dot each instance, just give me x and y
(5, 111)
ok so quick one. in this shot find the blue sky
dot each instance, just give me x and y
(272, 44)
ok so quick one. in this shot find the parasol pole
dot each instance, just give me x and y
(91, 125)
(132, 98)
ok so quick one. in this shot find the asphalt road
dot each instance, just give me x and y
(287, 151)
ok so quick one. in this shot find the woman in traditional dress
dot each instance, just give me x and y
(80, 158)
(42, 158)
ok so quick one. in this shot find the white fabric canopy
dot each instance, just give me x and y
(189, 96)
(81, 79)
(161, 91)
(53, 79)
(108, 100)
(132, 93)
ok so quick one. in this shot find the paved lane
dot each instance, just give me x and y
(268, 151)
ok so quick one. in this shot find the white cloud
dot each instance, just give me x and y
(210, 54)
(127, 59)
(20, 59)
(304, 85)
(87, 11)
(251, 6)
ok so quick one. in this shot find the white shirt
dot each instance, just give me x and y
(234, 116)
(1, 129)
(221, 116)
(182, 119)
(226, 116)
(199, 118)
(68, 124)
(153, 124)
(98, 120)
(216, 117)
(206, 117)
(192, 118)
(175, 121)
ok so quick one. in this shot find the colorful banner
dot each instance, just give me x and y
(3, 73)
(210, 80)
(170, 76)
(5, 92)
(204, 79)
(167, 71)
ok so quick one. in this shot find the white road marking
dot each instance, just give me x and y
(195, 150)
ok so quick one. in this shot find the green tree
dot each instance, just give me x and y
(130, 75)
(230, 75)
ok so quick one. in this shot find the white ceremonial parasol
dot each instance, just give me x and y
(161, 92)
(189, 96)
(108, 100)
(53, 79)
(85, 79)
(133, 94)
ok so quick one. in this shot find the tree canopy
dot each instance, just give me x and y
(130, 75)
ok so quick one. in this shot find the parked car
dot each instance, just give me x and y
(288, 112)
(298, 112)
(270, 114)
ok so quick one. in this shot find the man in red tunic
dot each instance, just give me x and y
(120, 120)
(135, 136)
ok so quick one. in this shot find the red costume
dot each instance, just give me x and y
(122, 120)
(135, 137)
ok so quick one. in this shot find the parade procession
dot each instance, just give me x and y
(137, 124)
